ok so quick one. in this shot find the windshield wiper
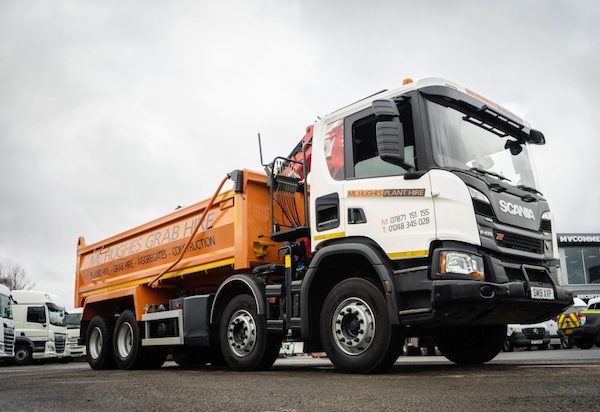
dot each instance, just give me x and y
(487, 172)
(529, 189)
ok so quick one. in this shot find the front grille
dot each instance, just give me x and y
(546, 225)
(59, 342)
(9, 340)
(534, 333)
(483, 209)
(519, 242)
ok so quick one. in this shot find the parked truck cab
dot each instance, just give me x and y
(7, 325)
(41, 331)
(422, 219)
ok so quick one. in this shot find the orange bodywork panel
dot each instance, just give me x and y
(234, 237)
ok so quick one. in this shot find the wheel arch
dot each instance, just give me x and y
(233, 286)
(24, 341)
(357, 255)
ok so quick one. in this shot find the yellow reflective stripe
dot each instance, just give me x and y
(410, 253)
(591, 312)
(329, 236)
(147, 279)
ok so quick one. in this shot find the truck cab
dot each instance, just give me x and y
(41, 331)
(7, 325)
(73, 321)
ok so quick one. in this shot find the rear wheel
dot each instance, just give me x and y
(472, 345)
(23, 355)
(99, 343)
(508, 347)
(355, 328)
(127, 345)
(245, 343)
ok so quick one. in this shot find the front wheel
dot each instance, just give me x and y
(472, 345)
(355, 328)
(245, 343)
(23, 355)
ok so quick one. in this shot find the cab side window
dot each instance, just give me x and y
(367, 162)
(36, 314)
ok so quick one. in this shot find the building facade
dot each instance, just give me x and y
(580, 263)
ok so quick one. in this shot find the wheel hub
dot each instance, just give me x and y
(95, 343)
(125, 340)
(353, 326)
(241, 333)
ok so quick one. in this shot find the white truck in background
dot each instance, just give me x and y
(41, 331)
(7, 325)
(74, 349)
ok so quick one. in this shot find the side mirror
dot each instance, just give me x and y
(390, 142)
(389, 132)
(536, 137)
(385, 107)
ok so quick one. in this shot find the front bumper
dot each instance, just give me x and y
(426, 297)
(520, 340)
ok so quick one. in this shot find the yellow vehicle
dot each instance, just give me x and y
(571, 325)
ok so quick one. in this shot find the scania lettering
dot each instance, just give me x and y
(41, 331)
(422, 220)
(519, 210)
(7, 325)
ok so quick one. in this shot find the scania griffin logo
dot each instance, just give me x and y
(517, 210)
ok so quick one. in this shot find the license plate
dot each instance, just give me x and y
(542, 293)
(537, 342)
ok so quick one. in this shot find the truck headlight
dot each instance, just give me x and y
(461, 263)
(514, 328)
(477, 195)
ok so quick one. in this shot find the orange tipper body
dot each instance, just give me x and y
(234, 237)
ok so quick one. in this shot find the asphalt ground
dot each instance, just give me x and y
(537, 380)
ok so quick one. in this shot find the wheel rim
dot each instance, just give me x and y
(353, 326)
(95, 343)
(21, 355)
(125, 340)
(241, 333)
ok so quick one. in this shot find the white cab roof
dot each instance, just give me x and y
(35, 297)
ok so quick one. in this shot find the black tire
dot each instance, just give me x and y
(566, 342)
(472, 345)
(585, 344)
(127, 344)
(394, 351)
(543, 347)
(556, 346)
(508, 347)
(23, 355)
(189, 357)
(98, 344)
(245, 343)
(364, 340)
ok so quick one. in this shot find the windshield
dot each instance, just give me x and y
(5, 307)
(463, 145)
(56, 314)
(73, 320)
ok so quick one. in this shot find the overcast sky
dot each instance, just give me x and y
(113, 113)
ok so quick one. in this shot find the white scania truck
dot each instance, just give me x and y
(423, 219)
(41, 331)
(7, 325)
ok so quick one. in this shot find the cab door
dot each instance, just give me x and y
(384, 201)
